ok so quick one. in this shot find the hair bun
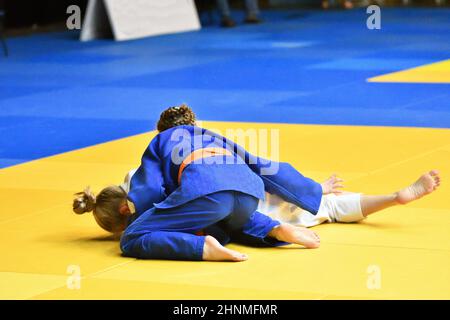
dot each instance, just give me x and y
(176, 116)
(84, 202)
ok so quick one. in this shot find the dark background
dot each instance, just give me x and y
(27, 14)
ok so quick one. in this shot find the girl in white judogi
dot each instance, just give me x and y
(339, 206)
(336, 205)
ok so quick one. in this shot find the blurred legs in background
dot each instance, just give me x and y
(2, 39)
(251, 7)
(347, 4)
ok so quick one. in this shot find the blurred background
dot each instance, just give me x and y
(277, 61)
(47, 14)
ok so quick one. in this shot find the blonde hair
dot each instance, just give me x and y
(105, 207)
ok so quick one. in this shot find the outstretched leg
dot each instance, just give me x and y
(374, 203)
(426, 184)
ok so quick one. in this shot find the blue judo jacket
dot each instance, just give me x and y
(155, 184)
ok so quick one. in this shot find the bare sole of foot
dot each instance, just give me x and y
(214, 251)
(298, 235)
(426, 184)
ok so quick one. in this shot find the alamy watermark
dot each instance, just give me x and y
(73, 22)
(373, 277)
(73, 281)
(252, 146)
(374, 19)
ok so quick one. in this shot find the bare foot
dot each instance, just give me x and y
(325, 4)
(426, 184)
(298, 235)
(214, 251)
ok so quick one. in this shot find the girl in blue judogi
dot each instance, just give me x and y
(195, 191)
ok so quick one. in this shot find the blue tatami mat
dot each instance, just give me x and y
(306, 66)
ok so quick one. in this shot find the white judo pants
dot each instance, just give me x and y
(333, 208)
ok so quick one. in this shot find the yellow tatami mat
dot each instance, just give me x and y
(438, 72)
(403, 252)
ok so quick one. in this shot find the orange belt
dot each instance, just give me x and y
(199, 154)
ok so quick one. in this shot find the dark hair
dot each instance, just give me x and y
(176, 116)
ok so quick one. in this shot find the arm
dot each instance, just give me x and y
(281, 178)
(147, 184)
(293, 187)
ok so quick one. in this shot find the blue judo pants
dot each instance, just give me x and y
(172, 233)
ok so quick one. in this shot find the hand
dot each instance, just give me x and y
(332, 185)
